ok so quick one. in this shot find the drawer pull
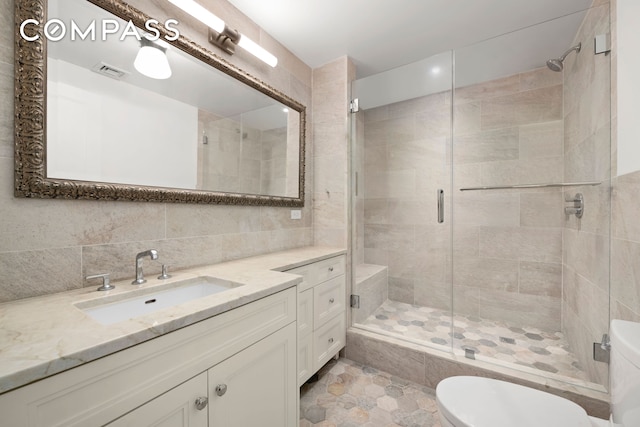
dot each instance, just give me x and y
(201, 403)
(330, 269)
(331, 301)
(221, 389)
(330, 340)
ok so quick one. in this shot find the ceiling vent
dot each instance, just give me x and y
(109, 71)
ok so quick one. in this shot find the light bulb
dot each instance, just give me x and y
(152, 62)
(200, 13)
(257, 50)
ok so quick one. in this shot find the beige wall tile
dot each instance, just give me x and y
(625, 273)
(519, 243)
(589, 254)
(538, 278)
(542, 209)
(431, 293)
(490, 89)
(520, 309)
(486, 273)
(533, 106)
(487, 209)
(539, 78)
(486, 146)
(381, 355)
(6, 31)
(581, 342)
(31, 273)
(401, 289)
(434, 103)
(394, 238)
(626, 206)
(32, 224)
(435, 124)
(541, 140)
(6, 108)
(417, 154)
(329, 210)
(467, 118)
(202, 220)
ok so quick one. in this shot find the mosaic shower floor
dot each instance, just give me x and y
(348, 394)
(529, 347)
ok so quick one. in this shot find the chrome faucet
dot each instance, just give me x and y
(151, 253)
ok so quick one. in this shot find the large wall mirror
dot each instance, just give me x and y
(90, 126)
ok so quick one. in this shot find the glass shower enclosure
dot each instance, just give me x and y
(481, 200)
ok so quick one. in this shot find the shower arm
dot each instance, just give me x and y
(577, 48)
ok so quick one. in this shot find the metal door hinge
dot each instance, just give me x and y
(355, 301)
(602, 350)
(354, 105)
(602, 43)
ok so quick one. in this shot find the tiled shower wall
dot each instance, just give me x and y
(48, 246)
(507, 244)
(405, 162)
(587, 157)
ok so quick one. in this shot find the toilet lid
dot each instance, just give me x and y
(484, 402)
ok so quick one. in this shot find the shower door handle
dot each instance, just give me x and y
(440, 206)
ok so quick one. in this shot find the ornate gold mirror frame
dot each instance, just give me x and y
(30, 121)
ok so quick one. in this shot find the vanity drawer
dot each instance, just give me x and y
(318, 272)
(305, 312)
(330, 268)
(328, 300)
(328, 340)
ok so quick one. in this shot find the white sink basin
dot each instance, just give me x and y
(113, 310)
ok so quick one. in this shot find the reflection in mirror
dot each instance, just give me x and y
(199, 129)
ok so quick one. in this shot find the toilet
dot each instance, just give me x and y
(465, 401)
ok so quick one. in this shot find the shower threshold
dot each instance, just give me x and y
(529, 349)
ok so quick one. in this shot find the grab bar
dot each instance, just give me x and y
(440, 206)
(508, 187)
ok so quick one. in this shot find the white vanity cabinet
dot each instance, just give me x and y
(321, 314)
(236, 369)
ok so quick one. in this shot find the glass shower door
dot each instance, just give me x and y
(401, 170)
(531, 278)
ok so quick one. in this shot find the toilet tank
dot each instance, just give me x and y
(625, 373)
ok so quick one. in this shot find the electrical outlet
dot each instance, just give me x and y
(296, 214)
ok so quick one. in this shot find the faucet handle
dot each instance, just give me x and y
(106, 285)
(165, 272)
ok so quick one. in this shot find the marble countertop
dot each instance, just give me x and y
(43, 336)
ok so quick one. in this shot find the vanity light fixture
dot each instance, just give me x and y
(152, 61)
(223, 36)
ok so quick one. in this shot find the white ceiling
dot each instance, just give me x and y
(383, 34)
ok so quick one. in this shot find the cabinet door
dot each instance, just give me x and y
(175, 408)
(257, 386)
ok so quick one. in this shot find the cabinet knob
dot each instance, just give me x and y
(330, 268)
(201, 403)
(330, 340)
(221, 389)
(331, 301)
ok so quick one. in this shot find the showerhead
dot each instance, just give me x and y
(557, 64)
